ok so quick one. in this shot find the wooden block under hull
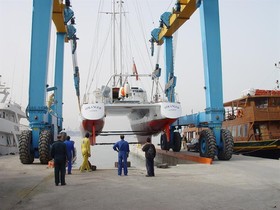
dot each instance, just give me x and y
(128, 164)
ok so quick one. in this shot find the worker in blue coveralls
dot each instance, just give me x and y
(122, 147)
(70, 153)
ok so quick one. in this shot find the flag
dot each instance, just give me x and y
(134, 70)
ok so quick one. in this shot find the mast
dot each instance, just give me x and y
(120, 11)
(114, 44)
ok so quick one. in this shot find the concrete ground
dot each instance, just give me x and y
(241, 183)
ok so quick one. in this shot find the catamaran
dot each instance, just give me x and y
(120, 96)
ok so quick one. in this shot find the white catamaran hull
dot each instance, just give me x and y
(145, 119)
(92, 119)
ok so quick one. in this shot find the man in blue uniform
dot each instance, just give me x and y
(122, 147)
(70, 153)
(59, 154)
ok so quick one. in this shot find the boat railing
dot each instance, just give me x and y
(161, 97)
(23, 127)
(125, 76)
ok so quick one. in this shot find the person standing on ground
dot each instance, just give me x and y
(184, 142)
(85, 146)
(150, 154)
(59, 154)
(70, 153)
(122, 147)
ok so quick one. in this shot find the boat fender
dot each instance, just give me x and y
(121, 92)
(126, 89)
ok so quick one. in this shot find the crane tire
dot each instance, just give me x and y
(26, 155)
(226, 149)
(207, 144)
(164, 145)
(44, 146)
(177, 142)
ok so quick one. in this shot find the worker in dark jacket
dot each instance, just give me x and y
(122, 147)
(59, 154)
(150, 154)
(70, 153)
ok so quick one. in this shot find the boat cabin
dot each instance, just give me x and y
(255, 116)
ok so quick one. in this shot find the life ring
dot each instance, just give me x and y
(240, 113)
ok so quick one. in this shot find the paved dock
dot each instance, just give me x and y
(241, 183)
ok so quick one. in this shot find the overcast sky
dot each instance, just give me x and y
(250, 41)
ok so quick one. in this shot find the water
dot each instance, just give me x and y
(103, 156)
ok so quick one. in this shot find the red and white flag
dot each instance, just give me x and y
(134, 70)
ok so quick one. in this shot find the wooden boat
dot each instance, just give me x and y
(254, 121)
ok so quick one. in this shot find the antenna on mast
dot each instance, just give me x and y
(277, 65)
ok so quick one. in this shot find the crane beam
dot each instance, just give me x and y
(171, 22)
(58, 16)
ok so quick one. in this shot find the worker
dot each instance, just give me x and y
(150, 154)
(70, 153)
(59, 154)
(184, 142)
(122, 147)
(51, 100)
(85, 146)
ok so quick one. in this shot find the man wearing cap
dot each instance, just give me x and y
(59, 154)
(122, 147)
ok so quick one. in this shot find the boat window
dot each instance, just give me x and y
(233, 131)
(261, 103)
(239, 130)
(9, 141)
(275, 101)
(245, 130)
(13, 118)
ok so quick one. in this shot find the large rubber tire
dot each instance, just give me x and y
(164, 144)
(207, 144)
(45, 146)
(26, 155)
(225, 150)
(177, 142)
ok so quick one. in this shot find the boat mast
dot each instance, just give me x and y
(114, 44)
(120, 11)
(277, 65)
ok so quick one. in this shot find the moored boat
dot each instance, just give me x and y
(146, 117)
(254, 121)
(10, 122)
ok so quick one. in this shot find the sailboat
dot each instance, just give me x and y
(121, 97)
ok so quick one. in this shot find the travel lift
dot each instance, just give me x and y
(46, 121)
(214, 140)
